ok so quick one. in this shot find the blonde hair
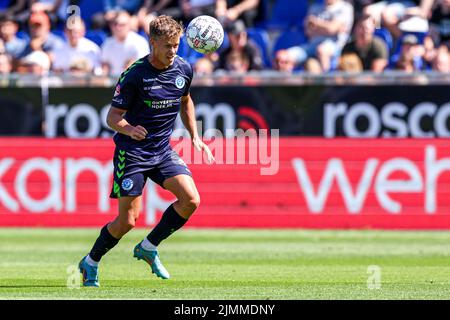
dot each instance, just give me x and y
(165, 26)
(350, 62)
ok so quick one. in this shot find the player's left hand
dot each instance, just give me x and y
(201, 146)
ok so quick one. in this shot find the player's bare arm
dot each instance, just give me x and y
(116, 121)
(187, 114)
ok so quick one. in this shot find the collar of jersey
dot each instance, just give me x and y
(156, 69)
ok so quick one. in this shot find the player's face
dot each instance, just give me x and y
(165, 49)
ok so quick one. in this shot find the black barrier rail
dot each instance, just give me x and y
(370, 110)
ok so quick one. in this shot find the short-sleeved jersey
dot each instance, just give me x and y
(375, 50)
(152, 99)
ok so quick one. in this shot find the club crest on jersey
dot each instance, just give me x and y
(127, 184)
(180, 82)
(117, 91)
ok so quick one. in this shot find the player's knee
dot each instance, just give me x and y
(128, 224)
(192, 203)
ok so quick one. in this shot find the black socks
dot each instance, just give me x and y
(103, 244)
(170, 222)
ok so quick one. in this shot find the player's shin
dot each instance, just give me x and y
(170, 222)
(102, 245)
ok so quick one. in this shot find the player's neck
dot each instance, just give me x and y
(157, 64)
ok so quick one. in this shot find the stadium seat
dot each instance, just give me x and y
(23, 35)
(183, 48)
(97, 36)
(288, 39)
(142, 33)
(4, 4)
(88, 8)
(187, 53)
(261, 38)
(386, 36)
(287, 14)
(420, 38)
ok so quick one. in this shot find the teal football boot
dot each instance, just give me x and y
(90, 274)
(152, 258)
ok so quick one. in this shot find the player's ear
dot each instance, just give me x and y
(152, 41)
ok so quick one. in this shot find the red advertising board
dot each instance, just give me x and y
(291, 183)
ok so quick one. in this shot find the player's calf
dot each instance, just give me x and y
(89, 265)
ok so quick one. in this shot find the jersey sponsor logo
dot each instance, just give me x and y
(127, 184)
(162, 104)
(180, 82)
(148, 88)
(148, 80)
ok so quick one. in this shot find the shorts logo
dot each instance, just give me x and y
(180, 82)
(127, 184)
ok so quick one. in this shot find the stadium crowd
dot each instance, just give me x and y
(292, 36)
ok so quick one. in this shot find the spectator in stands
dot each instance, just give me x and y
(41, 37)
(203, 66)
(327, 26)
(80, 66)
(413, 19)
(78, 50)
(391, 14)
(239, 42)
(36, 63)
(440, 22)
(441, 62)
(429, 51)
(194, 8)
(123, 48)
(131, 6)
(152, 9)
(238, 62)
(371, 50)
(55, 9)
(228, 11)
(312, 66)
(350, 62)
(405, 63)
(5, 64)
(282, 62)
(8, 30)
(411, 51)
(14, 8)
(104, 19)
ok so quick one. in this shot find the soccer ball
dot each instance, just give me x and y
(204, 34)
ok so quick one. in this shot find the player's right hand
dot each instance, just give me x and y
(138, 133)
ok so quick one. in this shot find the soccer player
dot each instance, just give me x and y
(147, 99)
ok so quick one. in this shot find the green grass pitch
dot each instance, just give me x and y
(232, 264)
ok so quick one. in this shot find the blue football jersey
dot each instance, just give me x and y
(152, 99)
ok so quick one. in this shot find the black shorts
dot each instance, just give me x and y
(130, 175)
